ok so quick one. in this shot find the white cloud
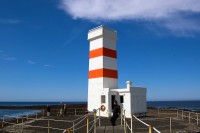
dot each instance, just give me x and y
(148, 10)
(48, 65)
(31, 62)
(9, 58)
(10, 21)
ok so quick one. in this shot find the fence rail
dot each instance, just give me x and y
(77, 124)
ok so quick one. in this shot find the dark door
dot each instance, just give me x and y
(112, 100)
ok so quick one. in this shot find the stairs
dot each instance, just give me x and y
(110, 129)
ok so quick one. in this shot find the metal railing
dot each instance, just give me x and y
(189, 116)
(130, 127)
(24, 121)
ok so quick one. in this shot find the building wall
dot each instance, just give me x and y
(138, 100)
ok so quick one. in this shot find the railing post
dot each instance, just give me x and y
(99, 118)
(36, 116)
(2, 122)
(182, 114)
(87, 123)
(73, 127)
(131, 123)
(22, 122)
(95, 120)
(68, 130)
(197, 119)
(121, 118)
(170, 125)
(189, 117)
(43, 113)
(124, 122)
(48, 126)
(17, 119)
(27, 116)
(177, 113)
(75, 112)
(150, 129)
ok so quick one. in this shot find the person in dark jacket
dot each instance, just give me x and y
(116, 113)
(48, 110)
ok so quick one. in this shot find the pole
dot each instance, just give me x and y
(22, 122)
(17, 119)
(131, 123)
(48, 126)
(68, 130)
(177, 113)
(2, 121)
(150, 129)
(95, 120)
(73, 127)
(121, 117)
(170, 125)
(182, 114)
(124, 122)
(87, 123)
(99, 118)
(75, 112)
(27, 116)
(189, 117)
(43, 113)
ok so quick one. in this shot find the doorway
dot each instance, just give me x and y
(112, 100)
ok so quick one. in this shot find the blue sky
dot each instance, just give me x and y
(44, 48)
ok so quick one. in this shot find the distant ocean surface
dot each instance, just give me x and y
(190, 105)
(24, 112)
(36, 103)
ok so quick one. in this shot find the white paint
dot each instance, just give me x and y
(103, 62)
(102, 37)
(102, 83)
(103, 42)
(128, 84)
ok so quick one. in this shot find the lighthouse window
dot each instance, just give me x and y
(121, 99)
(103, 99)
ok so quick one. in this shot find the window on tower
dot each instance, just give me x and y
(103, 99)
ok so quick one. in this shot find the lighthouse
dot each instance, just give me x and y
(103, 75)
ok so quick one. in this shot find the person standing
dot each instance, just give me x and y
(116, 113)
(48, 110)
(65, 109)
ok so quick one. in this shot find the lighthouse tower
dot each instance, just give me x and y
(103, 77)
(103, 74)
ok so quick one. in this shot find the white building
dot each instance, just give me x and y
(103, 77)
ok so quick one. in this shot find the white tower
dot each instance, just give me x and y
(103, 72)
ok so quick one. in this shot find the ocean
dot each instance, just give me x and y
(23, 112)
(189, 105)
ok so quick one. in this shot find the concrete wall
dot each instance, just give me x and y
(138, 100)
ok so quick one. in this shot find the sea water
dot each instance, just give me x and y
(14, 113)
(189, 105)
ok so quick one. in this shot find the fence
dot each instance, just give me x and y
(188, 116)
(124, 122)
(83, 122)
(19, 123)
